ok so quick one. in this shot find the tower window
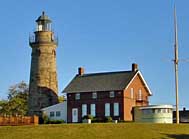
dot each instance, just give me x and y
(38, 52)
(54, 52)
(39, 27)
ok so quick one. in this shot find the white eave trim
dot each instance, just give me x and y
(140, 74)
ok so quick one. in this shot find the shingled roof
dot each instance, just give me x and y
(107, 81)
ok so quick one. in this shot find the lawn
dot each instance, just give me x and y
(97, 131)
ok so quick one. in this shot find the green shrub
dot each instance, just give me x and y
(45, 118)
(97, 120)
(87, 117)
(108, 119)
(56, 121)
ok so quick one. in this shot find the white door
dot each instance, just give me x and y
(74, 115)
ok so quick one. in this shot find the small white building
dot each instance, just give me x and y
(57, 111)
(154, 114)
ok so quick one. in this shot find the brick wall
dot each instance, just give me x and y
(129, 102)
(102, 98)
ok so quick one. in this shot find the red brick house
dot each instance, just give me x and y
(106, 94)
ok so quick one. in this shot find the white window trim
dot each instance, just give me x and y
(116, 109)
(112, 94)
(52, 114)
(77, 96)
(84, 109)
(93, 110)
(94, 95)
(57, 114)
(107, 109)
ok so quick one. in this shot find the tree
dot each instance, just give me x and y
(16, 104)
(61, 98)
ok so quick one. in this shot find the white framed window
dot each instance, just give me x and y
(112, 94)
(77, 96)
(58, 113)
(132, 93)
(107, 109)
(94, 95)
(52, 114)
(93, 110)
(140, 94)
(84, 109)
(116, 109)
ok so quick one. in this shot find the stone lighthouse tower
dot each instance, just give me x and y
(43, 87)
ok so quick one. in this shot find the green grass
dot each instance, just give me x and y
(97, 131)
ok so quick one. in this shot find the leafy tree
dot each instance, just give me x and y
(16, 104)
(61, 99)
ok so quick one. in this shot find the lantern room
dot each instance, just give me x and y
(43, 23)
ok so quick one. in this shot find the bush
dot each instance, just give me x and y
(97, 120)
(87, 117)
(45, 119)
(108, 119)
(56, 121)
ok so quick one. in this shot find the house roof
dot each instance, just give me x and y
(55, 106)
(107, 81)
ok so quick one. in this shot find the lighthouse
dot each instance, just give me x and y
(43, 84)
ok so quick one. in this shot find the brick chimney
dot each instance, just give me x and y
(134, 67)
(81, 71)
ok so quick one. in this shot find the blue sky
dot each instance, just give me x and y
(100, 35)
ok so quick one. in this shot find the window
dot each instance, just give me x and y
(107, 109)
(84, 109)
(132, 93)
(147, 111)
(116, 109)
(58, 113)
(94, 95)
(52, 114)
(112, 94)
(93, 110)
(39, 27)
(169, 110)
(140, 94)
(77, 96)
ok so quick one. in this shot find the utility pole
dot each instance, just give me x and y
(176, 61)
